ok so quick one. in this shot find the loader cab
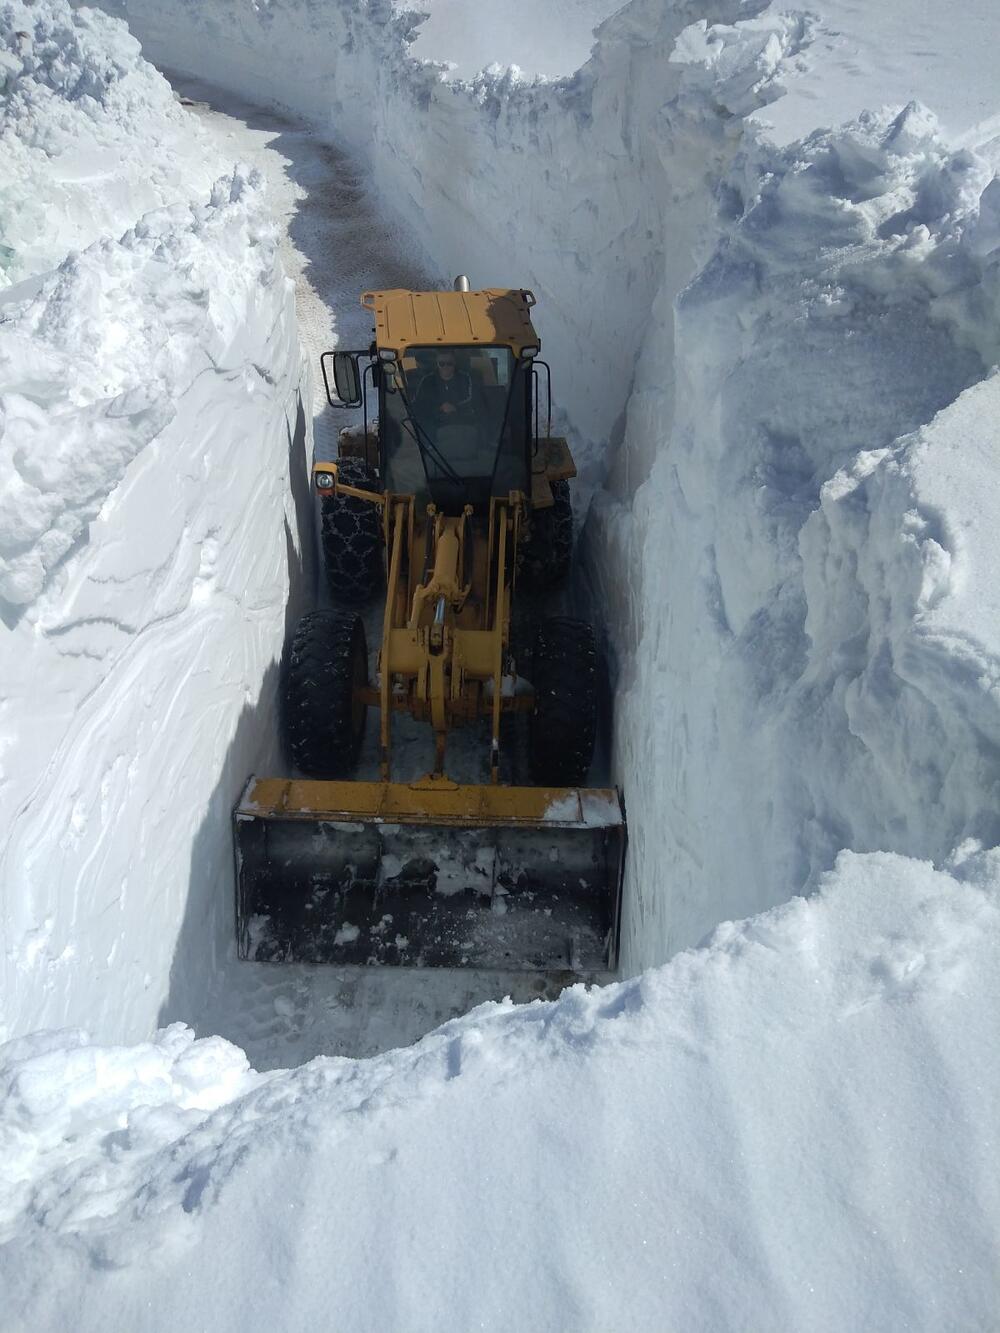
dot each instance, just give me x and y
(455, 424)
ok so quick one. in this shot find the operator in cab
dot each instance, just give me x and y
(444, 392)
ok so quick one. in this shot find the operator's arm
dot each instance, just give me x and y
(461, 401)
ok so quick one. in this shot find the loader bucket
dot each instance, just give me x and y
(429, 874)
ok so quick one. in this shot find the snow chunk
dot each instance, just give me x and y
(91, 136)
(743, 63)
(66, 1100)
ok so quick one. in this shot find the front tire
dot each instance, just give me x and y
(324, 720)
(547, 553)
(564, 722)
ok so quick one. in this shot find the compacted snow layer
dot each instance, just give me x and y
(823, 668)
(789, 1129)
(144, 659)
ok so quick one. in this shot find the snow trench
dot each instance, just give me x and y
(775, 361)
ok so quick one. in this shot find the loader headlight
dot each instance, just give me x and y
(324, 481)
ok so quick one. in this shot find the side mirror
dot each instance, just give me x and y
(346, 378)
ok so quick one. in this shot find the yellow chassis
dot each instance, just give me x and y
(446, 626)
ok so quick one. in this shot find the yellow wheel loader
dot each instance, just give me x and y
(453, 496)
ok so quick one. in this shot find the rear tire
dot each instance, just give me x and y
(564, 723)
(547, 553)
(323, 720)
(352, 538)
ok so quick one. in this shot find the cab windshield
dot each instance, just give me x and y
(455, 425)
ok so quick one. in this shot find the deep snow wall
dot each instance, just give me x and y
(153, 445)
(824, 510)
(734, 328)
(148, 682)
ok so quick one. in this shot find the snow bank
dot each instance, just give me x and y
(788, 1129)
(95, 366)
(151, 442)
(91, 136)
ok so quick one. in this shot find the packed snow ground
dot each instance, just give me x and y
(777, 350)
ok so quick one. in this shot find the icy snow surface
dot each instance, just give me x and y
(775, 348)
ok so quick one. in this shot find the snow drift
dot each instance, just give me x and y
(786, 1129)
(150, 438)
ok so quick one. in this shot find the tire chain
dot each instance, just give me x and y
(318, 700)
(352, 538)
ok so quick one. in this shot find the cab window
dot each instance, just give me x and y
(456, 425)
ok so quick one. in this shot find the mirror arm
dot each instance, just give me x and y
(364, 400)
